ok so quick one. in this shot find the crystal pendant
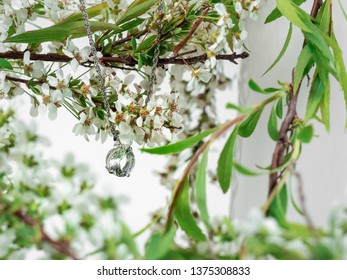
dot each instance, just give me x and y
(120, 160)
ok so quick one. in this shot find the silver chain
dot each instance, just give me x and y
(152, 78)
(113, 129)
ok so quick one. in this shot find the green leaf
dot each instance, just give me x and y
(292, 12)
(255, 87)
(275, 14)
(279, 108)
(200, 190)
(272, 125)
(137, 8)
(181, 145)
(305, 134)
(184, 217)
(343, 10)
(60, 32)
(340, 66)
(128, 240)
(244, 110)
(283, 50)
(303, 66)
(278, 206)
(245, 171)
(317, 92)
(92, 12)
(146, 43)
(4, 64)
(248, 125)
(159, 244)
(325, 107)
(226, 160)
(133, 44)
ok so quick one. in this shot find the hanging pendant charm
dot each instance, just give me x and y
(120, 161)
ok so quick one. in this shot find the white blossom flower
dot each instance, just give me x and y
(224, 16)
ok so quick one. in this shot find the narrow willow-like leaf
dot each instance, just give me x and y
(92, 12)
(317, 91)
(244, 110)
(278, 206)
(283, 50)
(159, 244)
(325, 107)
(272, 125)
(200, 190)
(4, 64)
(60, 32)
(255, 87)
(226, 160)
(181, 145)
(248, 125)
(137, 8)
(343, 10)
(303, 66)
(305, 134)
(275, 14)
(340, 66)
(184, 217)
(245, 171)
(279, 108)
(291, 12)
(146, 43)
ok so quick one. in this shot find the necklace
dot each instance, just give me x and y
(120, 160)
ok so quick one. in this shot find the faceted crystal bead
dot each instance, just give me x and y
(120, 160)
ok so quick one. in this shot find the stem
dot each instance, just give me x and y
(287, 124)
(125, 59)
(61, 246)
(194, 159)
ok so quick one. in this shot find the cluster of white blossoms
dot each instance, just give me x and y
(53, 85)
(59, 195)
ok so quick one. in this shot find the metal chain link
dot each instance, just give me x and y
(153, 77)
(113, 129)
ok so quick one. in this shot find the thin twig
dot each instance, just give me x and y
(192, 162)
(62, 246)
(303, 202)
(191, 31)
(126, 59)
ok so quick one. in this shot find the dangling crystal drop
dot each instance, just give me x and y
(120, 160)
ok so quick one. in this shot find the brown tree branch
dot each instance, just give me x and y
(191, 31)
(126, 59)
(62, 246)
(286, 127)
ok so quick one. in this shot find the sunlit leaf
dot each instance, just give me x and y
(275, 14)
